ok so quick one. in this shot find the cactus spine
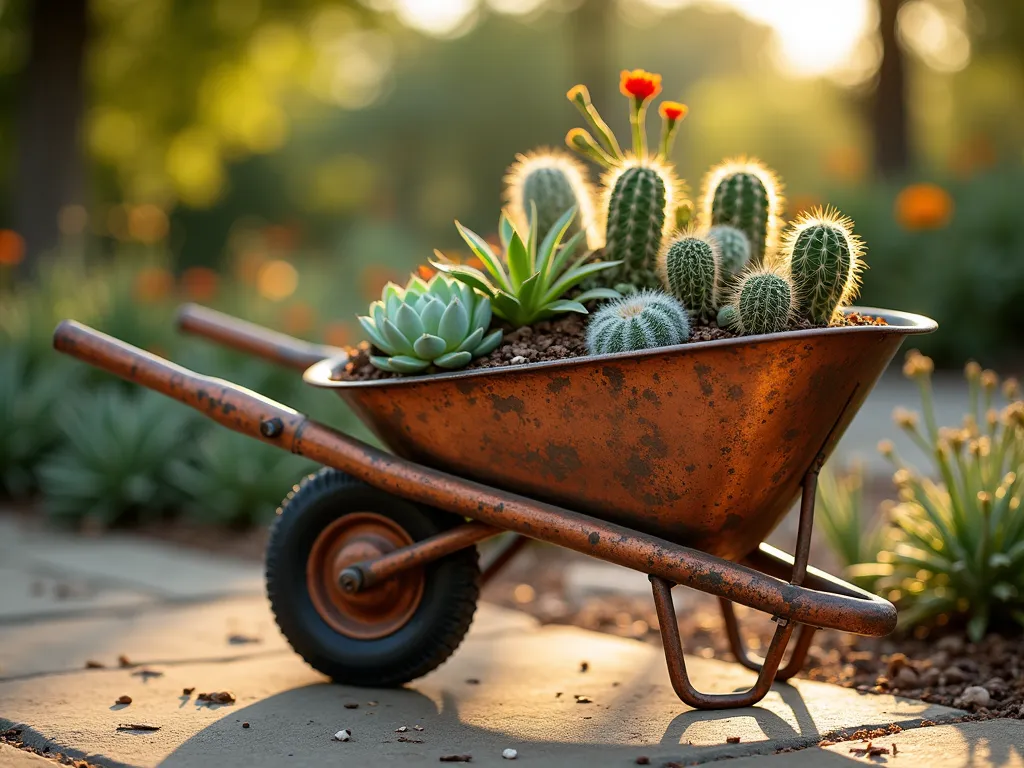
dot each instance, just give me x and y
(747, 195)
(824, 258)
(764, 301)
(638, 197)
(644, 320)
(554, 182)
(733, 249)
(689, 266)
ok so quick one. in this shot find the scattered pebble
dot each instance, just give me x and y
(187, 691)
(558, 694)
(124, 661)
(343, 735)
(643, 760)
(351, 705)
(517, 360)
(509, 754)
(417, 728)
(125, 699)
(584, 666)
(580, 699)
(401, 729)
(455, 758)
(217, 697)
(870, 750)
(409, 740)
(732, 739)
(90, 664)
(245, 724)
(371, 703)
(973, 696)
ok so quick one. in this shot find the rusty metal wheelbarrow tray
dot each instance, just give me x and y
(674, 462)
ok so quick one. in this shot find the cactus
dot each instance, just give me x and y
(638, 195)
(554, 182)
(747, 195)
(764, 301)
(689, 267)
(645, 320)
(726, 317)
(733, 249)
(824, 258)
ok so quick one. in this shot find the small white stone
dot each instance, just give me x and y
(343, 735)
(510, 754)
(402, 729)
(517, 360)
(973, 695)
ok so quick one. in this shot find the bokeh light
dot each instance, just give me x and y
(277, 280)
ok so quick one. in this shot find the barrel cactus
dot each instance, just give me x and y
(764, 301)
(689, 267)
(726, 317)
(439, 323)
(825, 261)
(555, 182)
(644, 320)
(733, 249)
(745, 194)
(639, 196)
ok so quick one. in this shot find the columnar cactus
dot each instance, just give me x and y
(554, 182)
(747, 195)
(638, 196)
(689, 267)
(733, 249)
(764, 301)
(824, 258)
(644, 320)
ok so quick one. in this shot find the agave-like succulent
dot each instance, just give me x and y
(528, 285)
(441, 322)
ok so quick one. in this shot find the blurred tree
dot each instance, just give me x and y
(889, 107)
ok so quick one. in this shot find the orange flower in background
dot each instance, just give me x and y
(153, 284)
(426, 272)
(338, 334)
(923, 206)
(12, 248)
(673, 110)
(298, 319)
(199, 283)
(639, 84)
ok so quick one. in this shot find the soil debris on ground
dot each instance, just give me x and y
(187, 691)
(138, 727)
(455, 758)
(125, 699)
(90, 664)
(124, 662)
(217, 697)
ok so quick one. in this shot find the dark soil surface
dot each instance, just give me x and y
(558, 339)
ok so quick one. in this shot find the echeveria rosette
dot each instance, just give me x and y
(528, 284)
(441, 322)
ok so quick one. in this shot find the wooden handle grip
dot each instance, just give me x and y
(254, 339)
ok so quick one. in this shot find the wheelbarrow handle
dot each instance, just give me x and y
(253, 339)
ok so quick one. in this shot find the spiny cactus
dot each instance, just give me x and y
(554, 182)
(638, 195)
(824, 258)
(745, 194)
(733, 249)
(645, 320)
(726, 317)
(764, 301)
(689, 267)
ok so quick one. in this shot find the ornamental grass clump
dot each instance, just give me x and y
(956, 548)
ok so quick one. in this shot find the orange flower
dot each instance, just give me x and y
(299, 319)
(425, 271)
(199, 283)
(923, 206)
(639, 84)
(673, 110)
(12, 248)
(153, 284)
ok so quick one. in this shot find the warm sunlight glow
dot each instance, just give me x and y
(442, 18)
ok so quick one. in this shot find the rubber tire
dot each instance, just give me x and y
(424, 643)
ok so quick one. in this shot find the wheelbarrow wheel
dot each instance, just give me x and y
(384, 635)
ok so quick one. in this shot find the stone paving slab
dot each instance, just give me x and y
(526, 699)
(26, 596)
(10, 757)
(961, 745)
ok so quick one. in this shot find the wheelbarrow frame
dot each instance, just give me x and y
(785, 587)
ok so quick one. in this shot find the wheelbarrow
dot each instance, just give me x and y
(675, 462)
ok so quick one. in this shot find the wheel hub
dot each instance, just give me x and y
(370, 613)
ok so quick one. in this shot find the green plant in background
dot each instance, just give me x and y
(689, 266)
(440, 323)
(554, 182)
(644, 320)
(114, 466)
(764, 301)
(854, 539)
(529, 283)
(733, 248)
(745, 194)
(825, 261)
(957, 549)
(229, 482)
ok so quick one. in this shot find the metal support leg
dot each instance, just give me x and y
(504, 551)
(739, 650)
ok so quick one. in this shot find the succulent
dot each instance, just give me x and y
(764, 301)
(644, 320)
(638, 198)
(689, 266)
(733, 248)
(555, 182)
(824, 258)
(441, 322)
(840, 510)
(528, 285)
(726, 317)
(956, 538)
(747, 195)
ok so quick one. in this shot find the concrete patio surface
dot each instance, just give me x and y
(512, 684)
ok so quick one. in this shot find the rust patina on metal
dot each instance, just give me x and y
(676, 462)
